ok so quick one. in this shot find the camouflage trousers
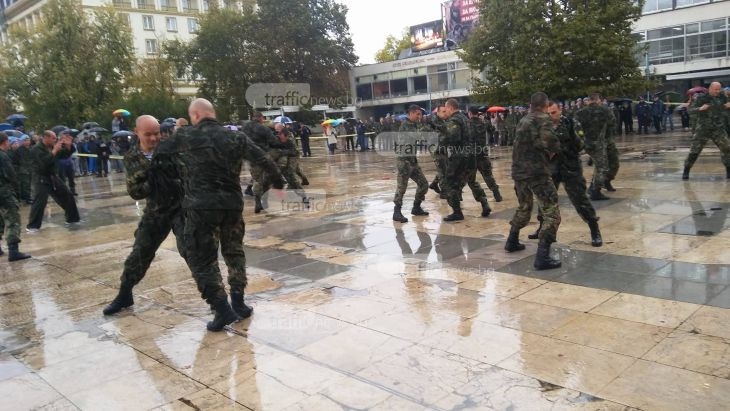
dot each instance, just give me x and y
(459, 172)
(611, 161)
(204, 231)
(543, 189)
(152, 230)
(600, 165)
(9, 217)
(575, 186)
(484, 166)
(408, 169)
(471, 180)
(440, 160)
(288, 167)
(700, 138)
(261, 181)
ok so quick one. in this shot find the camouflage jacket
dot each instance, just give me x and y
(456, 135)
(478, 131)
(156, 180)
(712, 119)
(410, 135)
(569, 133)
(598, 124)
(534, 141)
(209, 157)
(261, 135)
(24, 163)
(8, 178)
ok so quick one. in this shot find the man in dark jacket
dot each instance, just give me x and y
(210, 158)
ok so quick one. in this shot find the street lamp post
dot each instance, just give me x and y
(647, 72)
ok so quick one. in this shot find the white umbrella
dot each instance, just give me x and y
(283, 119)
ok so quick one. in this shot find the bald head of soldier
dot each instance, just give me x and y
(147, 130)
(714, 89)
(199, 109)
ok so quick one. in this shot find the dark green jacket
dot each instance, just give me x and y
(8, 178)
(44, 162)
(712, 119)
(209, 159)
(535, 140)
(598, 125)
(567, 161)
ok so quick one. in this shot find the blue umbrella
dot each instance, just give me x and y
(283, 120)
(6, 126)
(13, 133)
(401, 117)
(16, 117)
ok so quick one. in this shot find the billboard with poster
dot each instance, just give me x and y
(460, 18)
(427, 35)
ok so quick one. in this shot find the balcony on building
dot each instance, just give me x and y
(122, 4)
(146, 4)
(168, 5)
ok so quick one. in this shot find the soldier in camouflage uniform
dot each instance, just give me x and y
(287, 158)
(566, 168)
(711, 110)
(440, 154)
(263, 137)
(598, 124)
(407, 164)
(9, 216)
(534, 144)
(456, 139)
(510, 125)
(210, 157)
(481, 151)
(152, 177)
(23, 168)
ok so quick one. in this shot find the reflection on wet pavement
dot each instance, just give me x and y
(354, 311)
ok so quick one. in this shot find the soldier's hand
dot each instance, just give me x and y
(704, 107)
(727, 105)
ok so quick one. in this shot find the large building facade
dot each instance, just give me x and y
(687, 45)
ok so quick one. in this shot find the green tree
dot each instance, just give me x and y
(70, 68)
(282, 41)
(153, 90)
(566, 48)
(393, 47)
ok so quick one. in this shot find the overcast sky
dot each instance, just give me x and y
(371, 21)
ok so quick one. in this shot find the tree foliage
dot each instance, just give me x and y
(153, 90)
(393, 47)
(566, 48)
(70, 68)
(281, 41)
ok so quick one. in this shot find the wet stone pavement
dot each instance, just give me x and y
(354, 311)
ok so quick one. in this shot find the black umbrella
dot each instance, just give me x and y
(98, 130)
(351, 120)
(59, 128)
(621, 100)
(89, 124)
(16, 117)
(122, 133)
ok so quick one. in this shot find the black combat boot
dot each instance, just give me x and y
(513, 241)
(224, 315)
(595, 194)
(398, 216)
(435, 187)
(1, 250)
(596, 239)
(417, 210)
(456, 214)
(727, 173)
(497, 195)
(543, 261)
(536, 234)
(259, 206)
(243, 310)
(609, 187)
(685, 174)
(486, 211)
(123, 300)
(305, 182)
(14, 254)
(249, 190)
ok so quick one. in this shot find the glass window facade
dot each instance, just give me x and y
(414, 81)
(687, 42)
